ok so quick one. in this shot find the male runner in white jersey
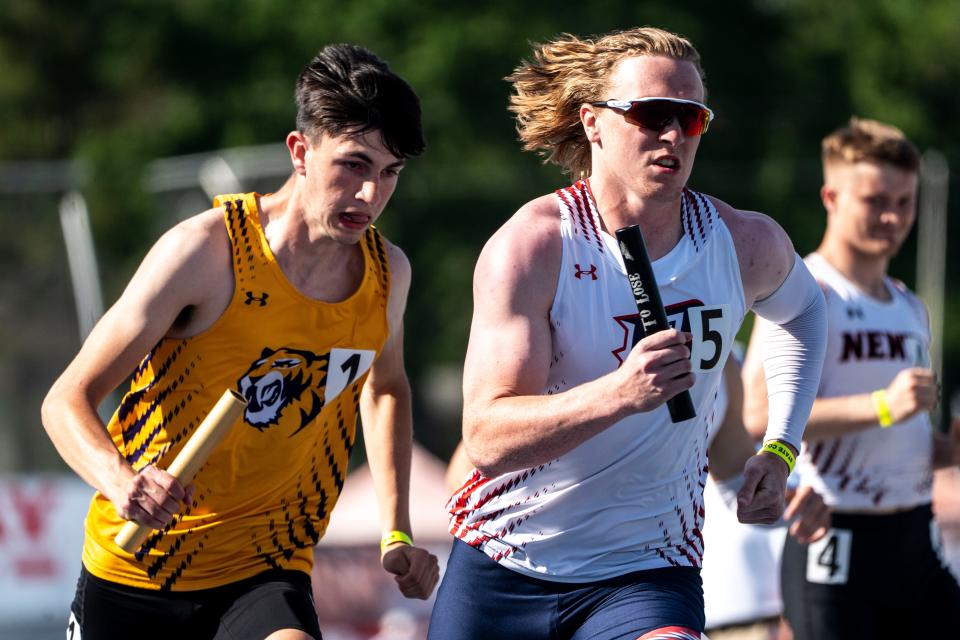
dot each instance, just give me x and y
(745, 555)
(869, 445)
(583, 519)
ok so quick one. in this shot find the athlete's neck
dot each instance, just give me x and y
(865, 271)
(657, 215)
(312, 260)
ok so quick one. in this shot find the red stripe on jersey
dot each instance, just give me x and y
(562, 194)
(685, 218)
(592, 212)
(830, 457)
(815, 452)
(847, 459)
(571, 207)
(457, 526)
(689, 543)
(707, 208)
(569, 197)
(509, 484)
(671, 633)
(459, 499)
(472, 535)
(693, 561)
(696, 212)
(583, 208)
(665, 557)
(457, 505)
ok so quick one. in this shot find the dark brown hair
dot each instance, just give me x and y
(349, 90)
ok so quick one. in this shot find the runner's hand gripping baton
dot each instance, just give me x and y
(653, 317)
(193, 455)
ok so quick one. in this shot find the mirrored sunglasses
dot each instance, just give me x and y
(656, 114)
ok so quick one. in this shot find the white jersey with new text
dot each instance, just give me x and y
(869, 341)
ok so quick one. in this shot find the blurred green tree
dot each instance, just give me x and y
(114, 84)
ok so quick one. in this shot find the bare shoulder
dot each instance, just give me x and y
(198, 238)
(754, 231)
(400, 276)
(526, 246)
(400, 269)
(189, 266)
(189, 263)
(764, 250)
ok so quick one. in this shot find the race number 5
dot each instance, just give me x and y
(346, 365)
(712, 336)
(828, 559)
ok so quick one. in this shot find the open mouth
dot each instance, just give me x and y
(354, 220)
(668, 162)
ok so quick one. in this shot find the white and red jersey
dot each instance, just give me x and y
(630, 498)
(869, 341)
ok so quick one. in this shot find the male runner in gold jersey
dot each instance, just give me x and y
(295, 301)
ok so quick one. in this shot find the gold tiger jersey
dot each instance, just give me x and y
(264, 497)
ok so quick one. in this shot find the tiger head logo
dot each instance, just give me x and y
(279, 383)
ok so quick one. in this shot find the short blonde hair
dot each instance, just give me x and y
(863, 140)
(568, 72)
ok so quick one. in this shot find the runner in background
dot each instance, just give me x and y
(869, 446)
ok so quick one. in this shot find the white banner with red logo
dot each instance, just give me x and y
(41, 539)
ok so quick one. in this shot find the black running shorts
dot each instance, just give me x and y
(250, 609)
(871, 577)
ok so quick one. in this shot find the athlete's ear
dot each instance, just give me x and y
(297, 145)
(588, 118)
(828, 196)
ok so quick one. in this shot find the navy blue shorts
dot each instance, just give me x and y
(479, 599)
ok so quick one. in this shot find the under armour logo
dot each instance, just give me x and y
(262, 298)
(854, 313)
(592, 272)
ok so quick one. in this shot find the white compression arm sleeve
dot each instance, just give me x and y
(793, 350)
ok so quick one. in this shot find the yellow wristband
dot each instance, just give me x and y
(882, 408)
(394, 536)
(780, 450)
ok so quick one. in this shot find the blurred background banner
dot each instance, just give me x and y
(135, 112)
(41, 537)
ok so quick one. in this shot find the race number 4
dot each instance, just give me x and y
(828, 559)
(712, 336)
(346, 365)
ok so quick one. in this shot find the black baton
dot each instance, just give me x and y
(653, 317)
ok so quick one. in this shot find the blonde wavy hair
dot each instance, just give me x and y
(863, 140)
(569, 71)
